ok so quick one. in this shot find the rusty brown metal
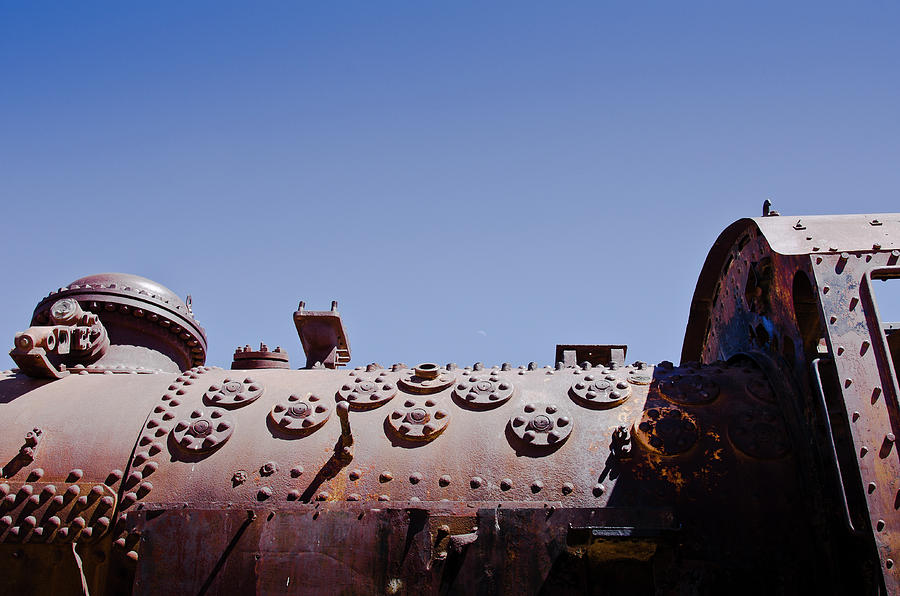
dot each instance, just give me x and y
(764, 462)
(322, 336)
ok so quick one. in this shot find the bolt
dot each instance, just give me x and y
(268, 468)
(386, 476)
(264, 493)
(879, 525)
(541, 423)
(415, 478)
(476, 482)
(567, 488)
(536, 486)
(506, 484)
(444, 480)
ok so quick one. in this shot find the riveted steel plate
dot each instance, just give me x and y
(482, 391)
(418, 419)
(233, 393)
(667, 430)
(366, 391)
(541, 424)
(301, 415)
(600, 389)
(55, 512)
(759, 432)
(203, 430)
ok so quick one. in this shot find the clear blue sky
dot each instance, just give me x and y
(471, 180)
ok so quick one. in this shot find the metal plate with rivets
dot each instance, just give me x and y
(596, 389)
(204, 430)
(232, 393)
(689, 390)
(759, 433)
(480, 391)
(368, 391)
(541, 424)
(666, 430)
(300, 415)
(418, 419)
(55, 512)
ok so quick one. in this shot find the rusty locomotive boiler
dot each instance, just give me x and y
(765, 462)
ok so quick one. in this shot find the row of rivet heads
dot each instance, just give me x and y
(864, 352)
(506, 366)
(114, 286)
(477, 484)
(189, 340)
(136, 485)
(537, 486)
(37, 511)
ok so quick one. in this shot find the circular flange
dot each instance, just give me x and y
(231, 393)
(367, 393)
(689, 390)
(759, 433)
(640, 374)
(419, 419)
(668, 431)
(300, 415)
(596, 390)
(426, 378)
(541, 424)
(760, 389)
(204, 430)
(482, 392)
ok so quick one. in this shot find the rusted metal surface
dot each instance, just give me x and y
(798, 291)
(322, 336)
(764, 463)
